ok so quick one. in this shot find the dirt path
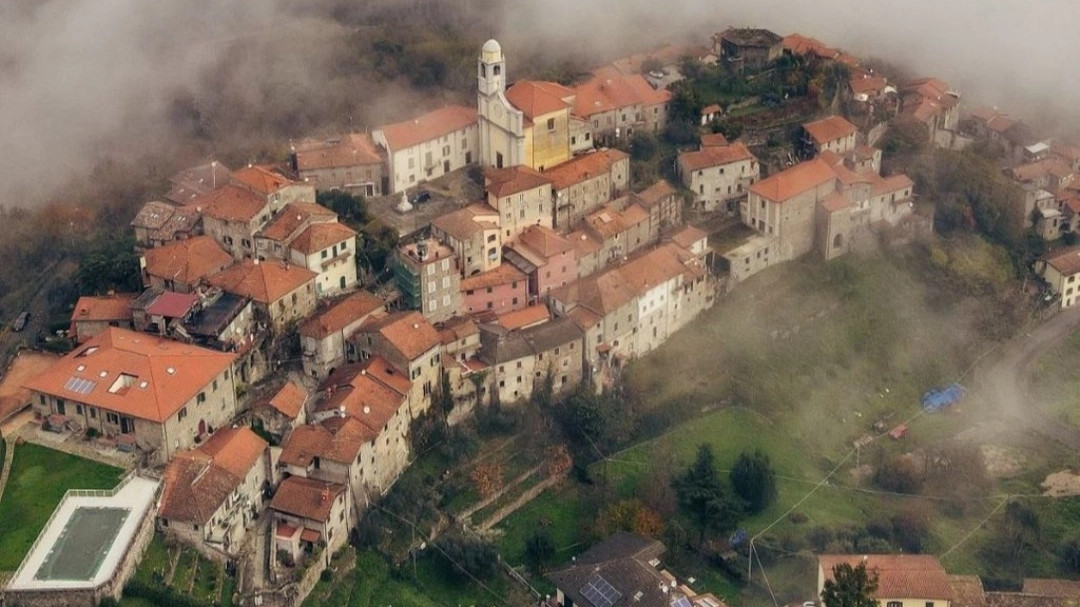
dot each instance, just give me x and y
(1004, 385)
(9, 454)
(522, 499)
(27, 364)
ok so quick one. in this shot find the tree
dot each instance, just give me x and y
(539, 550)
(753, 480)
(643, 146)
(351, 209)
(376, 247)
(850, 587)
(444, 400)
(110, 266)
(472, 556)
(1069, 552)
(703, 498)
(629, 515)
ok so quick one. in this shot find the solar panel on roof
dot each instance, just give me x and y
(79, 385)
(682, 601)
(599, 592)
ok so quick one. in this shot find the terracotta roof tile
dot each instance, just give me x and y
(835, 202)
(1052, 587)
(289, 400)
(985, 114)
(191, 183)
(797, 44)
(545, 241)
(173, 305)
(456, 328)
(1066, 261)
(654, 194)
(712, 139)
(610, 90)
(132, 373)
(115, 307)
(306, 498)
(335, 439)
(500, 275)
(187, 261)
(370, 392)
(829, 129)
(340, 315)
(967, 591)
(794, 181)
(538, 98)
(352, 149)
(319, 236)
(713, 156)
(264, 282)
(443, 121)
(153, 215)
(408, 332)
(609, 221)
(262, 179)
(584, 167)
(900, 576)
(689, 235)
(511, 180)
(465, 222)
(525, 317)
(198, 482)
(292, 216)
(231, 203)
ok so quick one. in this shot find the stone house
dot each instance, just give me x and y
(747, 48)
(158, 223)
(664, 207)
(283, 292)
(934, 104)
(92, 315)
(273, 240)
(277, 189)
(348, 162)
(308, 514)
(428, 277)
(183, 265)
(613, 105)
(214, 492)
(324, 338)
(621, 227)
(309, 235)
(783, 206)
(232, 215)
(521, 196)
(501, 290)
(230, 323)
(522, 358)
(586, 183)
(409, 344)
(149, 393)
(283, 411)
(474, 235)
(833, 134)
(1060, 269)
(429, 146)
(546, 257)
(718, 175)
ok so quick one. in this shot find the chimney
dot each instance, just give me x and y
(421, 250)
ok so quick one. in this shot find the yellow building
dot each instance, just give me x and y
(528, 124)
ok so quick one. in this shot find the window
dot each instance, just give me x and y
(112, 418)
(446, 150)
(214, 385)
(201, 398)
(182, 414)
(894, 604)
(325, 253)
(551, 124)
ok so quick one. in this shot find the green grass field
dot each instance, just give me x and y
(39, 478)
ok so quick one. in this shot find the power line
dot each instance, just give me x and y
(976, 528)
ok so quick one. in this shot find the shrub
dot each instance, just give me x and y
(899, 474)
(753, 480)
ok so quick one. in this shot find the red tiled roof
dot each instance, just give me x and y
(1066, 261)
(511, 180)
(712, 139)
(465, 222)
(867, 84)
(500, 275)
(319, 236)
(1052, 587)
(829, 129)
(538, 98)
(610, 90)
(371, 393)
(893, 183)
(341, 314)
(985, 114)
(713, 156)
(264, 282)
(835, 202)
(689, 235)
(545, 241)
(289, 400)
(231, 203)
(292, 216)
(199, 481)
(187, 261)
(262, 179)
(115, 307)
(173, 305)
(797, 44)
(132, 373)
(900, 576)
(443, 121)
(306, 498)
(652, 195)
(353, 149)
(794, 181)
(584, 167)
(408, 332)
(525, 317)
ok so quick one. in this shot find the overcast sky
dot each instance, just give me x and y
(73, 73)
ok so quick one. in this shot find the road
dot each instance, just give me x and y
(1004, 385)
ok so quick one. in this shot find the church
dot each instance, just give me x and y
(530, 123)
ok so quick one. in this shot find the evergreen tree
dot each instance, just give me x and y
(850, 587)
(703, 498)
(753, 480)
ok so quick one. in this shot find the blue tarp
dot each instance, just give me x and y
(939, 398)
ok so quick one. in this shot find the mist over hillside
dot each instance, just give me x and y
(80, 80)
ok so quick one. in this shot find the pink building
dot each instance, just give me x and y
(501, 290)
(547, 258)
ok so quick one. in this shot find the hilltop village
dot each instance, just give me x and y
(272, 379)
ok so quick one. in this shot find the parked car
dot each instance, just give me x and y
(420, 197)
(20, 322)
